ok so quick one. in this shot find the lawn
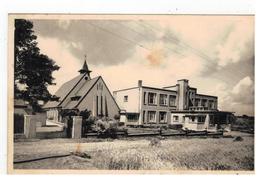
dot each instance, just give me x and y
(171, 153)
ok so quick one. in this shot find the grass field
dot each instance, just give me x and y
(138, 154)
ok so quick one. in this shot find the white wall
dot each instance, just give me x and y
(132, 105)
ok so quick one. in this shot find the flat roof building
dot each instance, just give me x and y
(179, 104)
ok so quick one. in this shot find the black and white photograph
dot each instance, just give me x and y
(131, 93)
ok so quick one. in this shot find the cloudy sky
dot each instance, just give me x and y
(216, 53)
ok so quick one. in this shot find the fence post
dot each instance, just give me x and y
(29, 126)
(76, 127)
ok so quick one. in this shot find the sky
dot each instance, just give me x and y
(215, 53)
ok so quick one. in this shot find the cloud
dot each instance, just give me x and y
(105, 42)
(239, 40)
(159, 52)
(239, 99)
(157, 72)
(243, 91)
(59, 52)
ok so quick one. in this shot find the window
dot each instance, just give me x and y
(99, 86)
(163, 99)
(192, 119)
(214, 105)
(211, 104)
(151, 98)
(97, 106)
(75, 98)
(175, 118)
(162, 117)
(144, 98)
(203, 102)
(197, 102)
(132, 116)
(172, 100)
(201, 119)
(151, 116)
(125, 98)
(101, 104)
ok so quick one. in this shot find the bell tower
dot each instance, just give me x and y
(85, 69)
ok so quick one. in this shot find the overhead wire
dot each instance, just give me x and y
(178, 42)
(195, 51)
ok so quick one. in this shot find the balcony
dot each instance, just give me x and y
(198, 108)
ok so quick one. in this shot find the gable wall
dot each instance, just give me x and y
(90, 101)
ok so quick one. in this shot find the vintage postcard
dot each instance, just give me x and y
(131, 93)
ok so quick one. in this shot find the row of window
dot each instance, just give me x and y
(203, 103)
(164, 99)
(151, 116)
(200, 119)
(101, 106)
(148, 116)
(152, 99)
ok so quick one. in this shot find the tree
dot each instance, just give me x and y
(32, 70)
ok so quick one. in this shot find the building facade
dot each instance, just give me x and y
(178, 105)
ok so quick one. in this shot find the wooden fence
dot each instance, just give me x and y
(126, 133)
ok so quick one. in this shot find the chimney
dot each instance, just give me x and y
(140, 83)
(182, 94)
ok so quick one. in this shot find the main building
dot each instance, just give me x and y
(177, 105)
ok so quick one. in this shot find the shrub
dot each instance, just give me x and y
(68, 113)
(87, 121)
(107, 127)
(121, 124)
(244, 122)
(117, 117)
(85, 114)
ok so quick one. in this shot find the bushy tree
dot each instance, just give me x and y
(32, 70)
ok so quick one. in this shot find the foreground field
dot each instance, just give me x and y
(138, 154)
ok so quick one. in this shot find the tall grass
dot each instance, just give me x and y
(141, 154)
(195, 154)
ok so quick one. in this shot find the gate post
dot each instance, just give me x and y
(76, 127)
(29, 126)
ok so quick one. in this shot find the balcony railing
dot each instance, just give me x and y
(200, 108)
